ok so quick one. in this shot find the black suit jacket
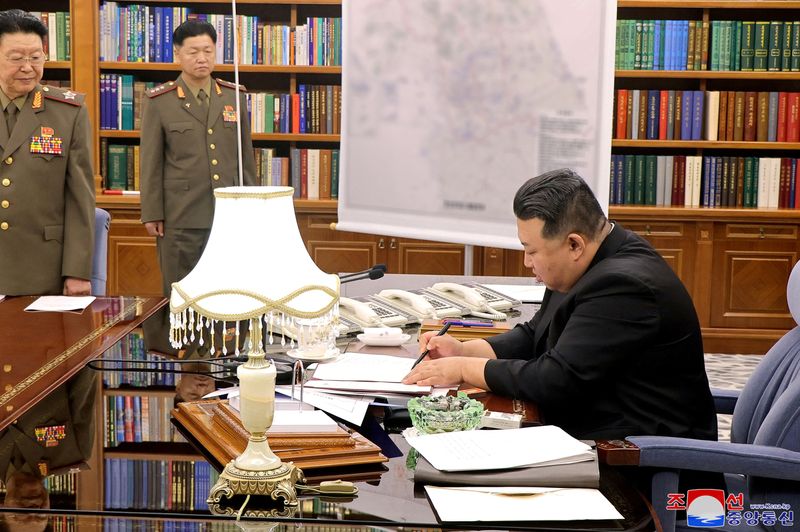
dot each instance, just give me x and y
(620, 354)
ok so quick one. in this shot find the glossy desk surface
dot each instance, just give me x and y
(388, 498)
(41, 350)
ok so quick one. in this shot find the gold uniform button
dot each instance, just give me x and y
(215, 177)
(210, 131)
(213, 162)
(4, 204)
(4, 226)
(6, 182)
(9, 160)
(212, 146)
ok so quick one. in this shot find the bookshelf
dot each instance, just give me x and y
(735, 261)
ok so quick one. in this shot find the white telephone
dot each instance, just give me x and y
(481, 301)
(421, 303)
(368, 313)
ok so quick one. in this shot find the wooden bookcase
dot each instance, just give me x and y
(734, 262)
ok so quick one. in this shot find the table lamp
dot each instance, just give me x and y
(255, 272)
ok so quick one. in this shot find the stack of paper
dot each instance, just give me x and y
(476, 450)
(372, 374)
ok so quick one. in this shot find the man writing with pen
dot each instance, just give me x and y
(615, 349)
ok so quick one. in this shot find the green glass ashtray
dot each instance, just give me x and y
(430, 415)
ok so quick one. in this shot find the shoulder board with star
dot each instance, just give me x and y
(62, 95)
(162, 89)
(229, 85)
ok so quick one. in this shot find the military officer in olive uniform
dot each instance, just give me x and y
(46, 179)
(188, 148)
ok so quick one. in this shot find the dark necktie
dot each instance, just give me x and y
(11, 117)
(203, 99)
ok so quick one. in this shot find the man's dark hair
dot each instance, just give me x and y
(563, 201)
(193, 28)
(19, 21)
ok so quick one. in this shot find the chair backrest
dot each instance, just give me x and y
(768, 409)
(100, 259)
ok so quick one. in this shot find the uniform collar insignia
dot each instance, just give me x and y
(37, 100)
(217, 88)
(181, 93)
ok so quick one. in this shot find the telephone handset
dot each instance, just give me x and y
(421, 303)
(470, 297)
(368, 313)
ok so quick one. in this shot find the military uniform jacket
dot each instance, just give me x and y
(184, 155)
(46, 195)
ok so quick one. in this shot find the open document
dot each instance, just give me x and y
(499, 504)
(365, 367)
(60, 304)
(366, 373)
(478, 450)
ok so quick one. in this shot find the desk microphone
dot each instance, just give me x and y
(369, 274)
(375, 272)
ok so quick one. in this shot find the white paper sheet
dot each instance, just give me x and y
(365, 367)
(499, 504)
(373, 388)
(352, 408)
(60, 304)
(479, 450)
(523, 292)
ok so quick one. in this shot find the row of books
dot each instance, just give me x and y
(119, 166)
(121, 98)
(143, 33)
(116, 524)
(138, 418)
(737, 45)
(662, 45)
(737, 116)
(56, 42)
(136, 369)
(705, 181)
(314, 173)
(315, 109)
(171, 485)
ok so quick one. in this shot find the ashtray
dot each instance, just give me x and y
(430, 415)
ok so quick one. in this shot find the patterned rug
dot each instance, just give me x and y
(729, 372)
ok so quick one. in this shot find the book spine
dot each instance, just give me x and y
(749, 134)
(762, 121)
(653, 97)
(793, 117)
(697, 115)
(761, 50)
(786, 46)
(748, 45)
(775, 41)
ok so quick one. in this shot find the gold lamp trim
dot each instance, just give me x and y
(289, 191)
(269, 304)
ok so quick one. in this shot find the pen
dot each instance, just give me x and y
(425, 353)
(460, 323)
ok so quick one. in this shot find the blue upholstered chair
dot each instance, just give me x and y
(762, 460)
(100, 261)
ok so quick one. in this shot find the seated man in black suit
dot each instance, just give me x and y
(615, 349)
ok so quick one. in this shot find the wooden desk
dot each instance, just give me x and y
(41, 350)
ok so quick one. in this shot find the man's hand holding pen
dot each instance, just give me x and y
(442, 362)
